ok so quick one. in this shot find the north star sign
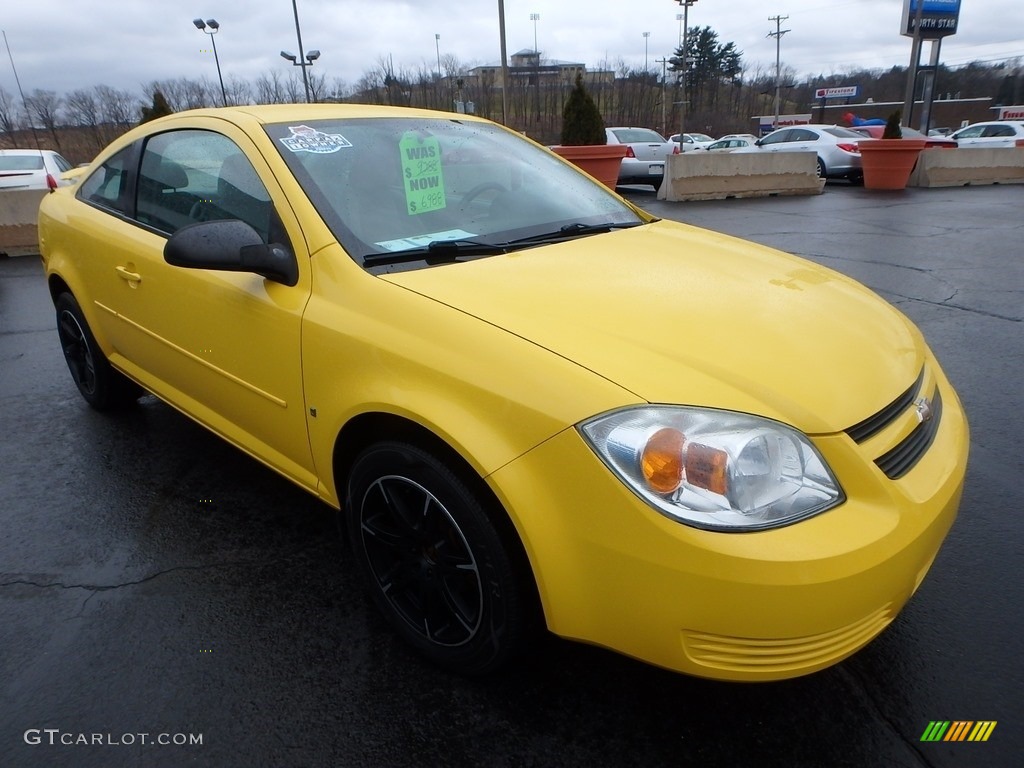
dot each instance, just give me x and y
(938, 18)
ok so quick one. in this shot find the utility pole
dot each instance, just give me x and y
(682, 79)
(777, 34)
(664, 117)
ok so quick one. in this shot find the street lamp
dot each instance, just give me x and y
(213, 26)
(535, 17)
(679, 18)
(437, 47)
(646, 36)
(311, 56)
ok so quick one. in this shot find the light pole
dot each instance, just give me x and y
(213, 26)
(679, 18)
(504, 62)
(535, 17)
(686, 63)
(437, 48)
(311, 56)
(646, 36)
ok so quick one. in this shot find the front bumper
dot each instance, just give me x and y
(733, 606)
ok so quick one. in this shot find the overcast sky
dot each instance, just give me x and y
(62, 45)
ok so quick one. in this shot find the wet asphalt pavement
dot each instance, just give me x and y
(153, 580)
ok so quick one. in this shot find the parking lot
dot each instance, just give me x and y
(154, 580)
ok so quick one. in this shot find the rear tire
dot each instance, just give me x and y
(438, 567)
(102, 387)
(822, 171)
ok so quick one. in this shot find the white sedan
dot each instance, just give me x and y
(995, 133)
(32, 169)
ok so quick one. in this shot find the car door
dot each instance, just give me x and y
(222, 346)
(998, 135)
(777, 141)
(970, 136)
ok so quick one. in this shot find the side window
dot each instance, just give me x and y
(777, 138)
(802, 134)
(970, 133)
(189, 176)
(105, 186)
(999, 130)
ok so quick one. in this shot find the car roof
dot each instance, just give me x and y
(283, 113)
(27, 152)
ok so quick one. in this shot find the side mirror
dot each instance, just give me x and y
(233, 246)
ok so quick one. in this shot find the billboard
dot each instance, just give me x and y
(938, 18)
(842, 92)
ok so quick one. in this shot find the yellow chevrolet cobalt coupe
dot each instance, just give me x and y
(534, 405)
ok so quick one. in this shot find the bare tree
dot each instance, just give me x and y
(238, 91)
(270, 89)
(118, 110)
(44, 109)
(82, 109)
(8, 116)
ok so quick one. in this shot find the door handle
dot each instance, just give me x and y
(132, 277)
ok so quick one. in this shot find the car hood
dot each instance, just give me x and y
(681, 315)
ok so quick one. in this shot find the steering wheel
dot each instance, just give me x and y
(479, 189)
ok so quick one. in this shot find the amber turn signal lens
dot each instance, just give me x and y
(706, 468)
(662, 460)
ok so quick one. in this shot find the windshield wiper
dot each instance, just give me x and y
(576, 229)
(438, 251)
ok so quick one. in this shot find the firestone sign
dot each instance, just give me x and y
(842, 92)
(938, 18)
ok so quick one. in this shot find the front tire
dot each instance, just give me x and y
(437, 565)
(102, 387)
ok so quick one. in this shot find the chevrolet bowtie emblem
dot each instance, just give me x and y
(923, 407)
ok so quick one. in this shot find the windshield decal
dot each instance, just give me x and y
(306, 139)
(421, 173)
(422, 241)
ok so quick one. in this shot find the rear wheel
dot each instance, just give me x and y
(437, 565)
(100, 385)
(821, 169)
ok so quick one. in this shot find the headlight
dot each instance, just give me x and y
(712, 469)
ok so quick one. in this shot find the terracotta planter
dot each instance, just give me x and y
(887, 163)
(601, 161)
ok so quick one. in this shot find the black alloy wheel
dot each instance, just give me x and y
(100, 385)
(437, 566)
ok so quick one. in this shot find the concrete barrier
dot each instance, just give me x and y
(720, 175)
(937, 167)
(19, 209)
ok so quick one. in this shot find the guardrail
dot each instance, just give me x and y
(19, 209)
(937, 167)
(721, 175)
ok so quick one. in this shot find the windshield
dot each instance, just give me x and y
(388, 185)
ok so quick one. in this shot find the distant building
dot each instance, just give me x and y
(526, 67)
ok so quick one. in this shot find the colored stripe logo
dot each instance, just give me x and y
(958, 730)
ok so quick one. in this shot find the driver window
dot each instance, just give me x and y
(191, 176)
(777, 138)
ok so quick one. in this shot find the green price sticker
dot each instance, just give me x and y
(421, 172)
